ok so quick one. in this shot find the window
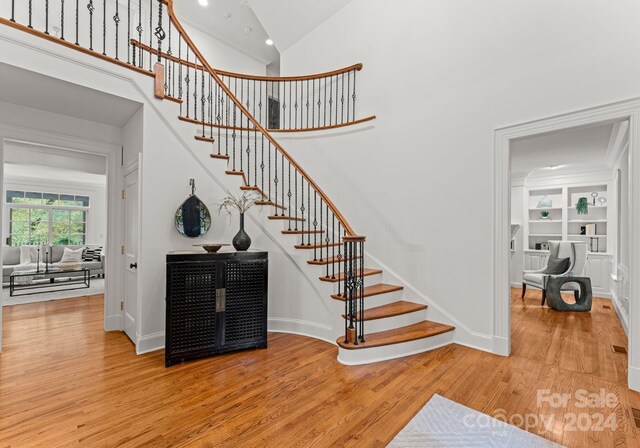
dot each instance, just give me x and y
(46, 218)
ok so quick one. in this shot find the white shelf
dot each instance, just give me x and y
(587, 221)
(545, 235)
(545, 220)
(588, 236)
(533, 209)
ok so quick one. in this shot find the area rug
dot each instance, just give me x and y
(97, 287)
(445, 423)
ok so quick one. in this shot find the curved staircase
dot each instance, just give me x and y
(234, 116)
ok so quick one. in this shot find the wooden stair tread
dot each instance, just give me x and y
(374, 290)
(392, 309)
(316, 246)
(330, 260)
(235, 173)
(301, 232)
(340, 277)
(205, 139)
(173, 98)
(287, 218)
(219, 156)
(421, 330)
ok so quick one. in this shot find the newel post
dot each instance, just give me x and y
(354, 289)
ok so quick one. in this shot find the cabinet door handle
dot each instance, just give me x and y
(221, 300)
(133, 266)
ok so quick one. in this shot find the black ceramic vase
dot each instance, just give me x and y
(241, 241)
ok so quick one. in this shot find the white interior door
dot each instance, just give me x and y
(131, 234)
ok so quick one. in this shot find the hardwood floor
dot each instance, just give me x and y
(65, 383)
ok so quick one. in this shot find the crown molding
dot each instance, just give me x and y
(202, 26)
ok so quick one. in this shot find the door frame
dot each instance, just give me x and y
(624, 110)
(47, 141)
(135, 164)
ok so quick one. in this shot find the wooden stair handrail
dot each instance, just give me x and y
(165, 55)
(347, 228)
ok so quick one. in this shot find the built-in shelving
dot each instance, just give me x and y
(563, 221)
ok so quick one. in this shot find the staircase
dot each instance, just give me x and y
(234, 116)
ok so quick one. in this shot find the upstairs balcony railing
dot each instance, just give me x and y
(231, 112)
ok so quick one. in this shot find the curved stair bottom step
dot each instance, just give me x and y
(386, 352)
(393, 322)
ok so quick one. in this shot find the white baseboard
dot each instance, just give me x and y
(113, 323)
(302, 328)
(634, 378)
(622, 316)
(150, 343)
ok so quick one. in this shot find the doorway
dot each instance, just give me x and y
(504, 139)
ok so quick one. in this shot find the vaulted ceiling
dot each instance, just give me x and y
(247, 24)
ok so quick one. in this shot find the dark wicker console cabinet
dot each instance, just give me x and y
(216, 303)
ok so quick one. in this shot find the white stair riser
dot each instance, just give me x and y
(368, 280)
(390, 323)
(376, 354)
(381, 299)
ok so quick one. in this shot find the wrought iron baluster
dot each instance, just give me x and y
(289, 194)
(321, 222)
(309, 211)
(139, 30)
(361, 289)
(330, 99)
(354, 95)
(337, 85)
(307, 103)
(116, 19)
(104, 27)
(195, 86)
(91, 8)
(202, 100)
(290, 105)
(129, 34)
(302, 205)
(269, 174)
(241, 124)
(342, 99)
(313, 102)
(295, 177)
(151, 37)
(30, 12)
(62, 19)
(13, 10)
(46, 16)
(160, 33)
(327, 239)
(187, 80)
(333, 247)
(275, 176)
(179, 70)
(255, 155)
(346, 299)
(295, 106)
(339, 258)
(315, 224)
(348, 93)
(262, 165)
(77, 20)
(282, 187)
(233, 135)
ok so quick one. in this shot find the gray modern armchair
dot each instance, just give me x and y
(576, 251)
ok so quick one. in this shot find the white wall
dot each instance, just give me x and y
(441, 76)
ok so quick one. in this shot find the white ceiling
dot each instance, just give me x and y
(38, 91)
(573, 148)
(229, 21)
(287, 21)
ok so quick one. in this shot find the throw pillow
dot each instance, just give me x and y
(72, 256)
(557, 266)
(92, 254)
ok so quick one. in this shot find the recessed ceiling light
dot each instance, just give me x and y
(204, 2)
(248, 30)
(268, 42)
